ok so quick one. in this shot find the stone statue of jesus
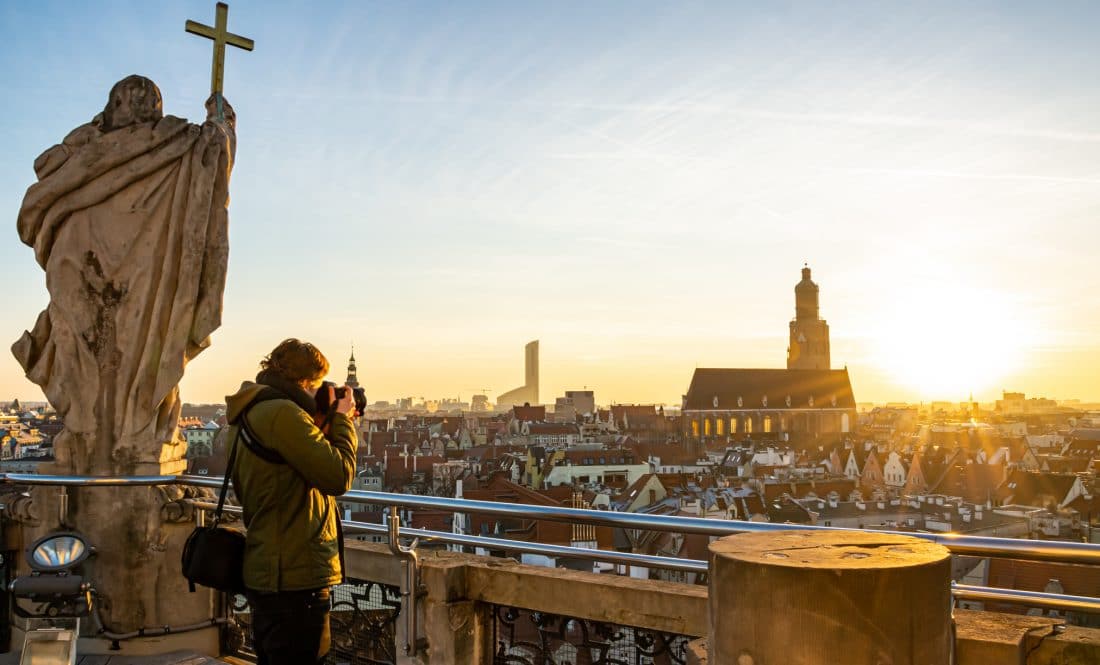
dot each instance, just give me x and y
(129, 221)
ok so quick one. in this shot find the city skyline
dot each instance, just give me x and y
(637, 190)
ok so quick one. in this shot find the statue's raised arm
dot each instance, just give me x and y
(227, 119)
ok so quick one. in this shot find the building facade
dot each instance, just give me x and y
(767, 403)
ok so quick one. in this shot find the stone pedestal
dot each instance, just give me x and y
(825, 597)
(136, 569)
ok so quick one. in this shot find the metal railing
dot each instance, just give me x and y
(976, 546)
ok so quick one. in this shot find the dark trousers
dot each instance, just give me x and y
(290, 627)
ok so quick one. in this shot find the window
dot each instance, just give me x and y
(695, 427)
(767, 424)
(720, 426)
(706, 427)
(733, 425)
(748, 425)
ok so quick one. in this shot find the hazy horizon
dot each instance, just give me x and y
(634, 184)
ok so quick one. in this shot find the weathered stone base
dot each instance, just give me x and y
(136, 568)
(697, 652)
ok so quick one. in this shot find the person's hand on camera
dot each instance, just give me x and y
(346, 405)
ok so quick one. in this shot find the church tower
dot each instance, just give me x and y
(809, 345)
(353, 378)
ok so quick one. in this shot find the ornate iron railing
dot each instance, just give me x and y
(363, 624)
(528, 637)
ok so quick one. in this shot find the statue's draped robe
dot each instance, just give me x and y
(131, 228)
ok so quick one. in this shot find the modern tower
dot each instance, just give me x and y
(531, 369)
(809, 344)
(528, 393)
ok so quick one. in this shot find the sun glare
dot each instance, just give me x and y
(945, 341)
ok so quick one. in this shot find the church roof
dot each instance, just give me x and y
(752, 386)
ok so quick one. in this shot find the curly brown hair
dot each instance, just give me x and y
(296, 361)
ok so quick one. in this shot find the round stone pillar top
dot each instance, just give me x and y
(832, 550)
(828, 597)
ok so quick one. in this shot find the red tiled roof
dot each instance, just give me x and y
(529, 413)
(1076, 580)
(753, 385)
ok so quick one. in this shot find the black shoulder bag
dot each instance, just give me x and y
(213, 556)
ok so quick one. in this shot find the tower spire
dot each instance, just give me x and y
(809, 340)
(353, 374)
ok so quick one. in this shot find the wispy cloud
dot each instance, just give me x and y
(966, 175)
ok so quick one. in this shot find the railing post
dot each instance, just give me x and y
(409, 584)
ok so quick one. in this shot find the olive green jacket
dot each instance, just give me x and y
(289, 509)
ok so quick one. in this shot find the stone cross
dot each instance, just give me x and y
(221, 36)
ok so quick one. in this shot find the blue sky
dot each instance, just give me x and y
(636, 184)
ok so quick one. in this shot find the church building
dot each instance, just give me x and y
(805, 402)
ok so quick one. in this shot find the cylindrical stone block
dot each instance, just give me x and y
(829, 598)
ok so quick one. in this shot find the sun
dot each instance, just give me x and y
(944, 340)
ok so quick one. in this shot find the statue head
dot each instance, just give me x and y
(134, 99)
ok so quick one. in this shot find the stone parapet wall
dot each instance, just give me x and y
(457, 591)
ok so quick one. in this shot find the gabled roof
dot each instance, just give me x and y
(754, 385)
(976, 483)
(1029, 488)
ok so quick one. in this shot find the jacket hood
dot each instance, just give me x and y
(236, 402)
(268, 385)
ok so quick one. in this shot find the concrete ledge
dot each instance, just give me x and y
(1070, 645)
(984, 638)
(663, 606)
(452, 577)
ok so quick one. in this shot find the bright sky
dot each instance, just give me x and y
(636, 184)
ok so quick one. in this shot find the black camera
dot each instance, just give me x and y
(338, 393)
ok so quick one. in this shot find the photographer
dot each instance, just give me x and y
(286, 475)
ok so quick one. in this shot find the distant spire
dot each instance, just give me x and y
(353, 374)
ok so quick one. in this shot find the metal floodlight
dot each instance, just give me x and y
(57, 552)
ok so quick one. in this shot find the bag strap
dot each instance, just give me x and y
(225, 481)
(246, 429)
(255, 446)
